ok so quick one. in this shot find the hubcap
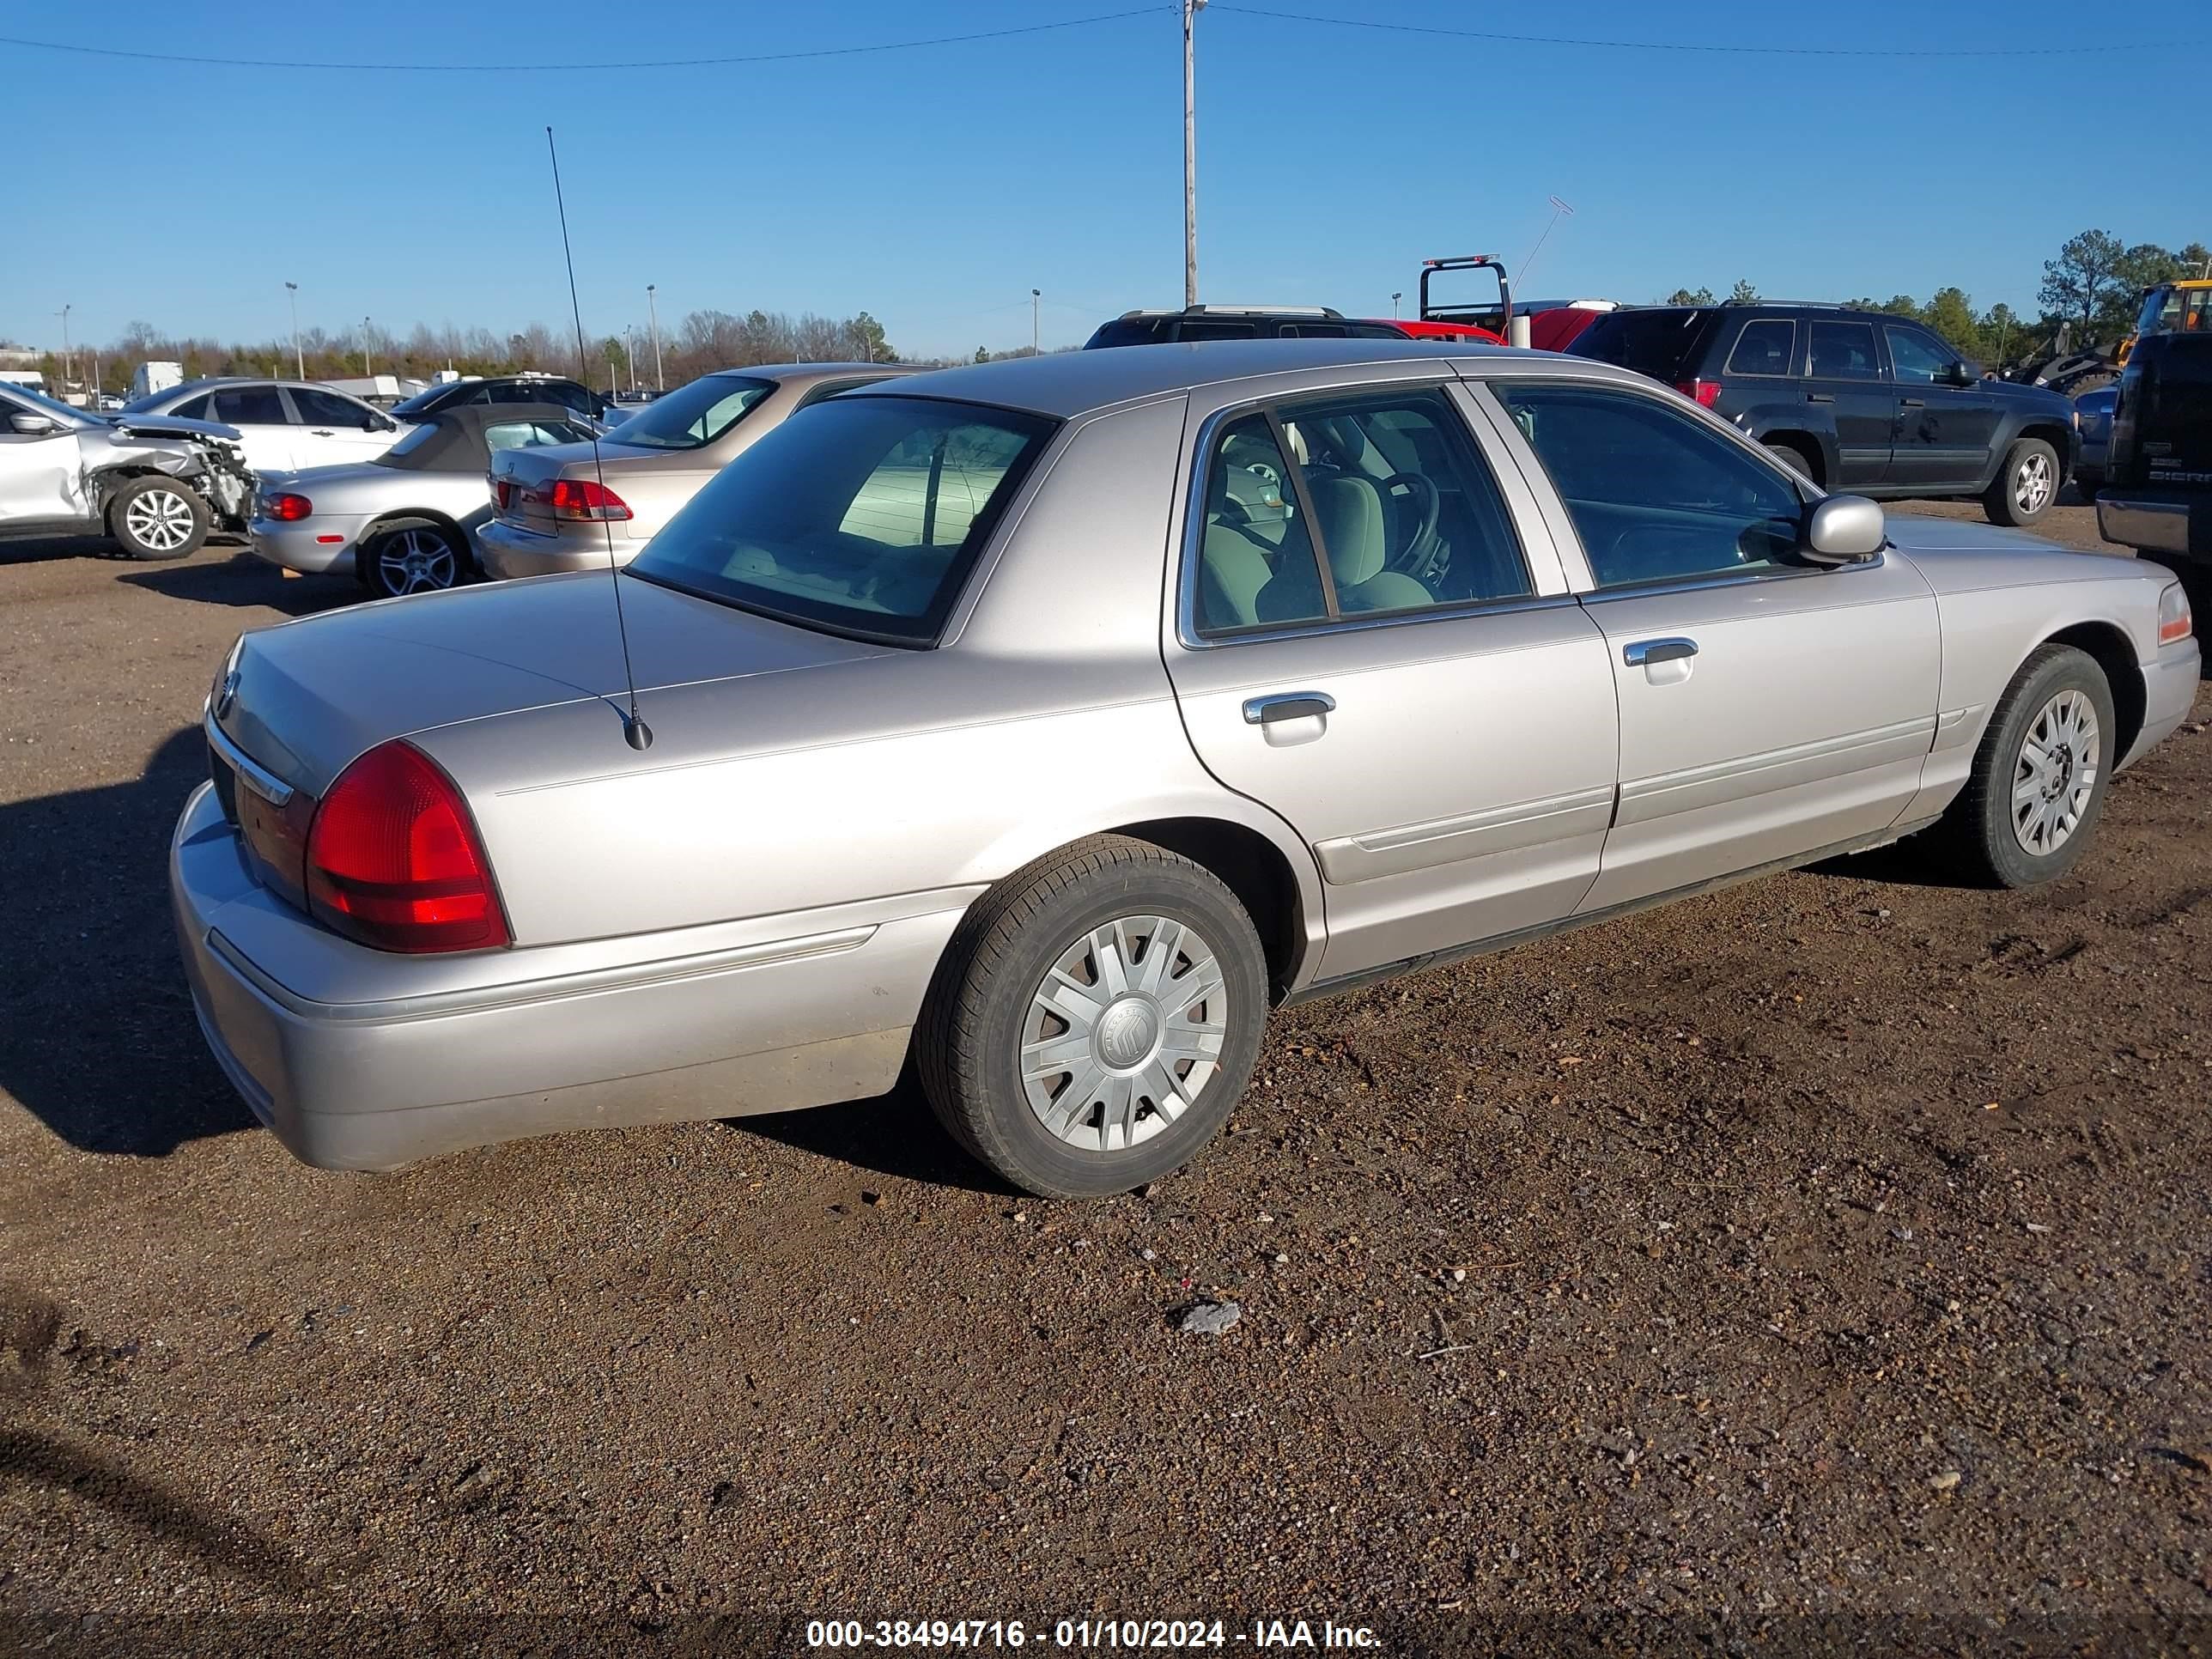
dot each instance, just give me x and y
(2032, 485)
(160, 518)
(2056, 774)
(410, 560)
(1124, 1032)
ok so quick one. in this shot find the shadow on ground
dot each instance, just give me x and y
(246, 582)
(893, 1134)
(102, 1045)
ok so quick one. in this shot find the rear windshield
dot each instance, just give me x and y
(694, 415)
(860, 515)
(1132, 331)
(1657, 341)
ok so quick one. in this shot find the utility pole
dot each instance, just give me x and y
(1190, 10)
(299, 361)
(1036, 295)
(364, 347)
(65, 353)
(659, 385)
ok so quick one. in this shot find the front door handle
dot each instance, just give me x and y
(324, 432)
(1912, 403)
(1820, 396)
(1287, 706)
(1644, 653)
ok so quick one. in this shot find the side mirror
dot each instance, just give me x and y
(28, 425)
(1844, 530)
(1962, 373)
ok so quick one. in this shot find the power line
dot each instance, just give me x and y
(581, 66)
(1678, 45)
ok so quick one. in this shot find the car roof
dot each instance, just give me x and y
(795, 372)
(1067, 384)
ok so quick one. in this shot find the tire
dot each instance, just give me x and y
(1043, 939)
(1789, 455)
(158, 519)
(2088, 486)
(1982, 839)
(2026, 485)
(411, 558)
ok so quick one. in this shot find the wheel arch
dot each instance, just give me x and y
(1807, 443)
(1253, 868)
(2059, 438)
(2107, 644)
(401, 520)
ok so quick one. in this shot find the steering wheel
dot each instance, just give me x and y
(1419, 548)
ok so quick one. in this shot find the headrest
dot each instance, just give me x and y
(1350, 508)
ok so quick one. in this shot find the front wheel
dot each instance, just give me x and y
(2026, 485)
(2038, 779)
(1094, 1019)
(414, 558)
(157, 518)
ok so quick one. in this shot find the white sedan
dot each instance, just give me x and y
(288, 425)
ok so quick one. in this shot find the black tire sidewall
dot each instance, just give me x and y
(202, 520)
(2013, 864)
(1790, 456)
(1041, 1162)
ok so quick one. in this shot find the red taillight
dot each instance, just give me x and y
(393, 860)
(501, 491)
(1706, 393)
(287, 508)
(581, 498)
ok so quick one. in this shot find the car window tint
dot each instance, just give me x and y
(248, 406)
(1844, 351)
(1212, 329)
(194, 408)
(1654, 494)
(1253, 542)
(1915, 357)
(861, 515)
(1763, 348)
(320, 408)
(1314, 331)
(695, 414)
(1407, 514)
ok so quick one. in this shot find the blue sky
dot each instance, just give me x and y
(935, 187)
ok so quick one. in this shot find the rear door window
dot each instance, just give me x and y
(1214, 328)
(1844, 351)
(248, 406)
(1766, 346)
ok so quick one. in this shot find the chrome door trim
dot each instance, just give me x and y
(1350, 859)
(1674, 648)
(1287, 706)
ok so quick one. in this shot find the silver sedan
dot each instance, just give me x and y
(406, 521)
(1049, 722)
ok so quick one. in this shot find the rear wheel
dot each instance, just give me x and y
(1094, 1019)
(1792, 455)
(2026, 485)
(157, 518)
(2039, 779)
(411, 558)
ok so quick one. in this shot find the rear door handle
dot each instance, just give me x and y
(1287, 706)
(1644, 653)
(323, 432)
(1820, 396)
(1912, 403)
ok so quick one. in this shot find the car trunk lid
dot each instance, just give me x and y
(301, 700)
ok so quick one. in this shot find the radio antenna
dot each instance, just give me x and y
(636, 732)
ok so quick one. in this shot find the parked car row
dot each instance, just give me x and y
(1370, 655)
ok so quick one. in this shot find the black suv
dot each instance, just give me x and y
(1858, 401)
(2158, 493)
(506, 389)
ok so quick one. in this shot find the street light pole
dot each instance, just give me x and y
(365, 369)
(1035, 296)
(1190, 10)
(65, 353)
(659, 385)
(299, 361)
(1395, 298)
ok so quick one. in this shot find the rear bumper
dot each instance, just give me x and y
(305, 546)
(509, 551)
(2158, 522)
(361, 1059)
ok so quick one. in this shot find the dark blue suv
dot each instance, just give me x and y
(1860, 401)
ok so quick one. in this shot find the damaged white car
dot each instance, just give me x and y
(156, 483)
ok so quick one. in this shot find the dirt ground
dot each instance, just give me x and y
(1819, 1264)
